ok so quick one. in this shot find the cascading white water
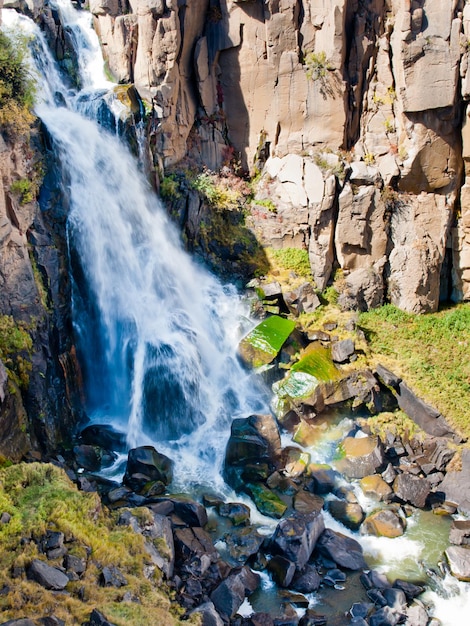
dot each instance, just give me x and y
(157, 334)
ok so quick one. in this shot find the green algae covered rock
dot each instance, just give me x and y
(316, 360)
(262, 344)
(266, 501)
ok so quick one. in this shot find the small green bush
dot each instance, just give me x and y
(169, 188)
(317, 65)
(15, 349)
(24, 189)
(16, 87)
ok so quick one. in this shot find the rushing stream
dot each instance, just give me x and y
(157, 334)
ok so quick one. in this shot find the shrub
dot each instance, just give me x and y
(16, 87)
(317, 65)
(15, 349)
(169, 188)
(24, 189)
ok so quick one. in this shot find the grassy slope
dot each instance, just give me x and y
(431, 352)
(40, 497)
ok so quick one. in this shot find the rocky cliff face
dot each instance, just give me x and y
(38, 385)
(379, 83)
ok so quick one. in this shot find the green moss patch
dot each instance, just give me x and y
(316, 361)
(262, 344)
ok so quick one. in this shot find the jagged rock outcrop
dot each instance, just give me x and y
(44, 381)
(284, 88)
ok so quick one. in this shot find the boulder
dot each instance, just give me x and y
(242, 543)
(363, 290)
(385, 523)
(416, 615)
(144, 465)
(263, 343)
(412, 489)
(306, 502)
(460, 532)
(207, 614)
(350, 514)
(360, 386)
(230, 593)
(456, 486)
(255, 441)
(459, 562)
(47, 576)
(93, 458)
(410, 590)
(341, 351)
(295, 537)
(267, 502)
(282, 570)
(104, 436)
(386, 617)
(362, 456)
(427, 418)
(324, 478)
(98, 619)
(190, 511)
(236, 512)
(112, 577)
(376, 487)
(344, 551)
(307, 580)
(158, 534)
(396, 598)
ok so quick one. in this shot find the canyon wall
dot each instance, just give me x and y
(371, 92)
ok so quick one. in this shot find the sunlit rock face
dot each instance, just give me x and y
(382, 82)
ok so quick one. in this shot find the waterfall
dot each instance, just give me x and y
(157, 334)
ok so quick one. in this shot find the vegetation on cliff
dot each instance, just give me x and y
(36, 498)
(16, 87)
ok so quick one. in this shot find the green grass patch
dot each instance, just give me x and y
(431, 352)
(40, 497)
(290, 259)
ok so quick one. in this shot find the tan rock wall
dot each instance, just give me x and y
(287, 80)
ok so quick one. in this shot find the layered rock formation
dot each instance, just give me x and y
(380, 83)
(40, 382)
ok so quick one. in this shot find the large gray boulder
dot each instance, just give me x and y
(296, 536)
(344, 551)
(412, 489)
(459, 562)
(47, 576)
(456, 486)
(254, 441)
(145, 465)
(427, 418)
(363, 456)
(230, 594)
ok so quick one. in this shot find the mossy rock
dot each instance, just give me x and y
(263, 343)
(316, 361)
(296, 388)
(266, 501)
